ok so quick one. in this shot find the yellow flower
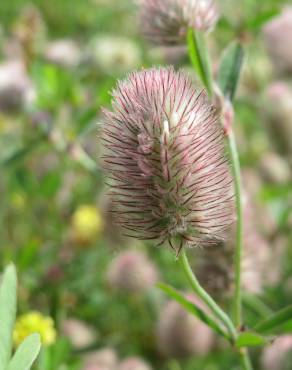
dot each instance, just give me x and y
(34, 322)
(87, 223)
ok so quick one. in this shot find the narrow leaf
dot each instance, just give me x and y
(256, 23)
(198, 53)
(193, 309)
(229, 69)
(255, 304)
(7, 314)
(275, 320)
(26, 353)
(249, 339)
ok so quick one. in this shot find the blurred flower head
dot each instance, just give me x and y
(64, 53)
(87, 224)
(164, 155)
(274, 357)
(132, 271)
(277, 36)
(180, 334)
(278, 110)
(275, 168)
(16, 89)
(166, 22)
(34, 322)
(105, 358)
(133, 363)
(79, 333)
(115, 54)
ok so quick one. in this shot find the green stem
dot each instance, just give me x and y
(199, 56)
(205, 297)
(237, 304)
(244, 359)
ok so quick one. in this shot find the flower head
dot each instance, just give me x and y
(180, 334)
(164, 155)
(276, 356)
(114, 54)
(104, 358)
(134, 363)
(278, 41)
(78, 332)
(166, 22)
(132, 271)
(34, 322)
(16, 89)
(87, 223)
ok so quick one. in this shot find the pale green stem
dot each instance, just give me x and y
(205, 297)
(237, 304)
(244, 359)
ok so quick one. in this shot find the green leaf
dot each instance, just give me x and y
(193, 309)
(250, 339)
(229, 69)
(199, 56)
(255, 304)
(275, 320)
(259, 20)
(8, 290)
(26, 353)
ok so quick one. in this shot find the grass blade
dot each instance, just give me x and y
(275, 320)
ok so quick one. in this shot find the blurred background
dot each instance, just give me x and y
(85, 287)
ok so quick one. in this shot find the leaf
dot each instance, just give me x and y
(26, 353)
(250, 339)
(259, 20)
(229, 69)
(257, 305)
(275, 320)
(199, 57)
(8, 290)
(193, 309)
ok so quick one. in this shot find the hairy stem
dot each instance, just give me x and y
(205, 297)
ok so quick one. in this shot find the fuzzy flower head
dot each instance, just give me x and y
(34, 322)
(164, 155)
(166, 22)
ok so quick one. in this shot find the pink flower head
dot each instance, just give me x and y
(134, 363)
(180, 334)
(131, 271)
(277, 37)
(164, 155)
(276, 355)
(165, 22)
